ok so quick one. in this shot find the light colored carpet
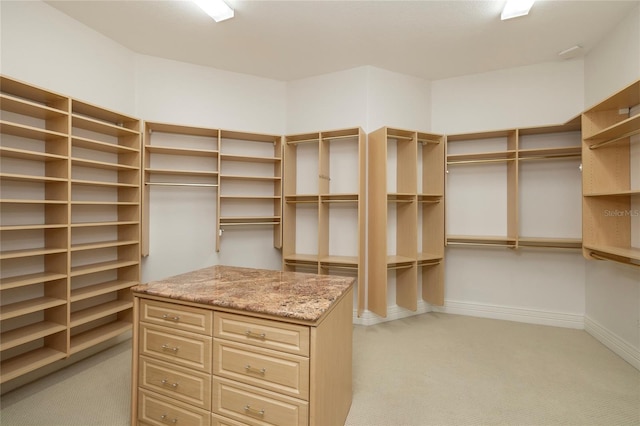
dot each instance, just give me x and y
(431, 369)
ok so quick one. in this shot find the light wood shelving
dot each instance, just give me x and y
(408, 184)
(66, 165)
(611, 178)
(519, 148)
(324, 207)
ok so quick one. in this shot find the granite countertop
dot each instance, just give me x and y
(284, 294)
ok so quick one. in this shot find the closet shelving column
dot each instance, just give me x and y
(341, 216)
(104, 223)
(431, 153)
(251, 182)
(392, 191)
(301, 203)
(34, 184)
(177, 156)
(611, 178)
(547, 149)
(485, 148)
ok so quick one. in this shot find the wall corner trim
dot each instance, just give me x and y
(612, 341)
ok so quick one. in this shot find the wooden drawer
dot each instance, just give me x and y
(179, 347)
(154, 409)
(176, 382)
(276, 371)
(255, 406)
(291, 338)
(186, 318)
(217, 420)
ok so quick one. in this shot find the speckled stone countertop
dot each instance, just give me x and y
(285, 294)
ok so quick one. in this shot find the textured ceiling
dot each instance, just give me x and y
(288, 40)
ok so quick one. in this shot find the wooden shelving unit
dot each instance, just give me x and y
(324, 204)
(67, 166)
(556, 144)
(250, 183)
(244, 168)
(406, 193)
(611, 194)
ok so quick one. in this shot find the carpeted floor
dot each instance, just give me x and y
(431, 369)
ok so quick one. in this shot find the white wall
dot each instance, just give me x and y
(539, 286)
(45, 47)
(613, 291)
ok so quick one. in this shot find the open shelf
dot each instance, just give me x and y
(29, 333)
(100, 311)
(29, 361)
(100, 289)
(98, 335)
(30, 279)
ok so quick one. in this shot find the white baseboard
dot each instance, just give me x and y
(614, 342)
(393, 313)
(526, 315)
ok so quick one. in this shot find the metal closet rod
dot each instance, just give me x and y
(607, 142)
(204, 185)
(599, 256)
(489, 160)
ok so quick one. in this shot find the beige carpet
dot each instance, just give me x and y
(431, 369)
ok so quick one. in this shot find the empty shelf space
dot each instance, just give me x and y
(24, 154)
(30, 178)
(97, 335)
(101, 165)
(99, 289)
(250, 197)
(401, 198)
(251, 178)
(29, 132)
(100, 311)
(249, 220)
(174, 172)
(103, 244)
(30, 361)
(550, 153)
(98, 126)
(399, 260)
(301, 199)
(29, 306)
(32, 227)
(29, 108)
(339, 198)
(18, 201)
(624, 193)
(29, 333)
(16, 254)
(103, 184)
(340, 260)
(297, 257)
(429, 257)
(483, 157)
(616, 132)
(189, 152)
(29, 279)
(99, 224)
(472, 240)
(101, 266)
(81, 142)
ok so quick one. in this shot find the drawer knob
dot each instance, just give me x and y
(166, 419)
(250, 333)
(249, 410)
(251, 369)
(170, 348)
(171, 317)
(167, 383)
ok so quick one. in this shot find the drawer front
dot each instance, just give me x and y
(276, 371)
(176, 382)
(179, 347)
(217, 420)
(154, 409)
(256, 406)
(185, 318)
(291, 338)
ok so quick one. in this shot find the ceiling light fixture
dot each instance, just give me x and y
(515, 8)
(217, 9)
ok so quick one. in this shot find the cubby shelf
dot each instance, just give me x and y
(408, 185)
(610, 215)
(62, 157)
(324, 204)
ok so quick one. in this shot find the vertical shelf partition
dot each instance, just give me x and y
(611, 178)
(324, 190)
(397, 192)
(70, 227)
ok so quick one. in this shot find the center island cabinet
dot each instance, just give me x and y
(235, 346)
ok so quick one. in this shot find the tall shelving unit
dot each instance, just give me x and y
(324, 191)
(250, 182)
(504, 154)
(396, 190)
(178, 156)
(70, 245)
(611, 178)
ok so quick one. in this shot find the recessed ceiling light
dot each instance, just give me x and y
(515, 8)
(217, 9)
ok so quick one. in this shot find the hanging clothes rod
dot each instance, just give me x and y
(491, 160)
(607, 142)
(204, 185)
(600, 256)
(394, 267)
(406, 138)
(348, 268)
(427, 141)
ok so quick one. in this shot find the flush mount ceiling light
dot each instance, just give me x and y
(515, 8)
(217, 9)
